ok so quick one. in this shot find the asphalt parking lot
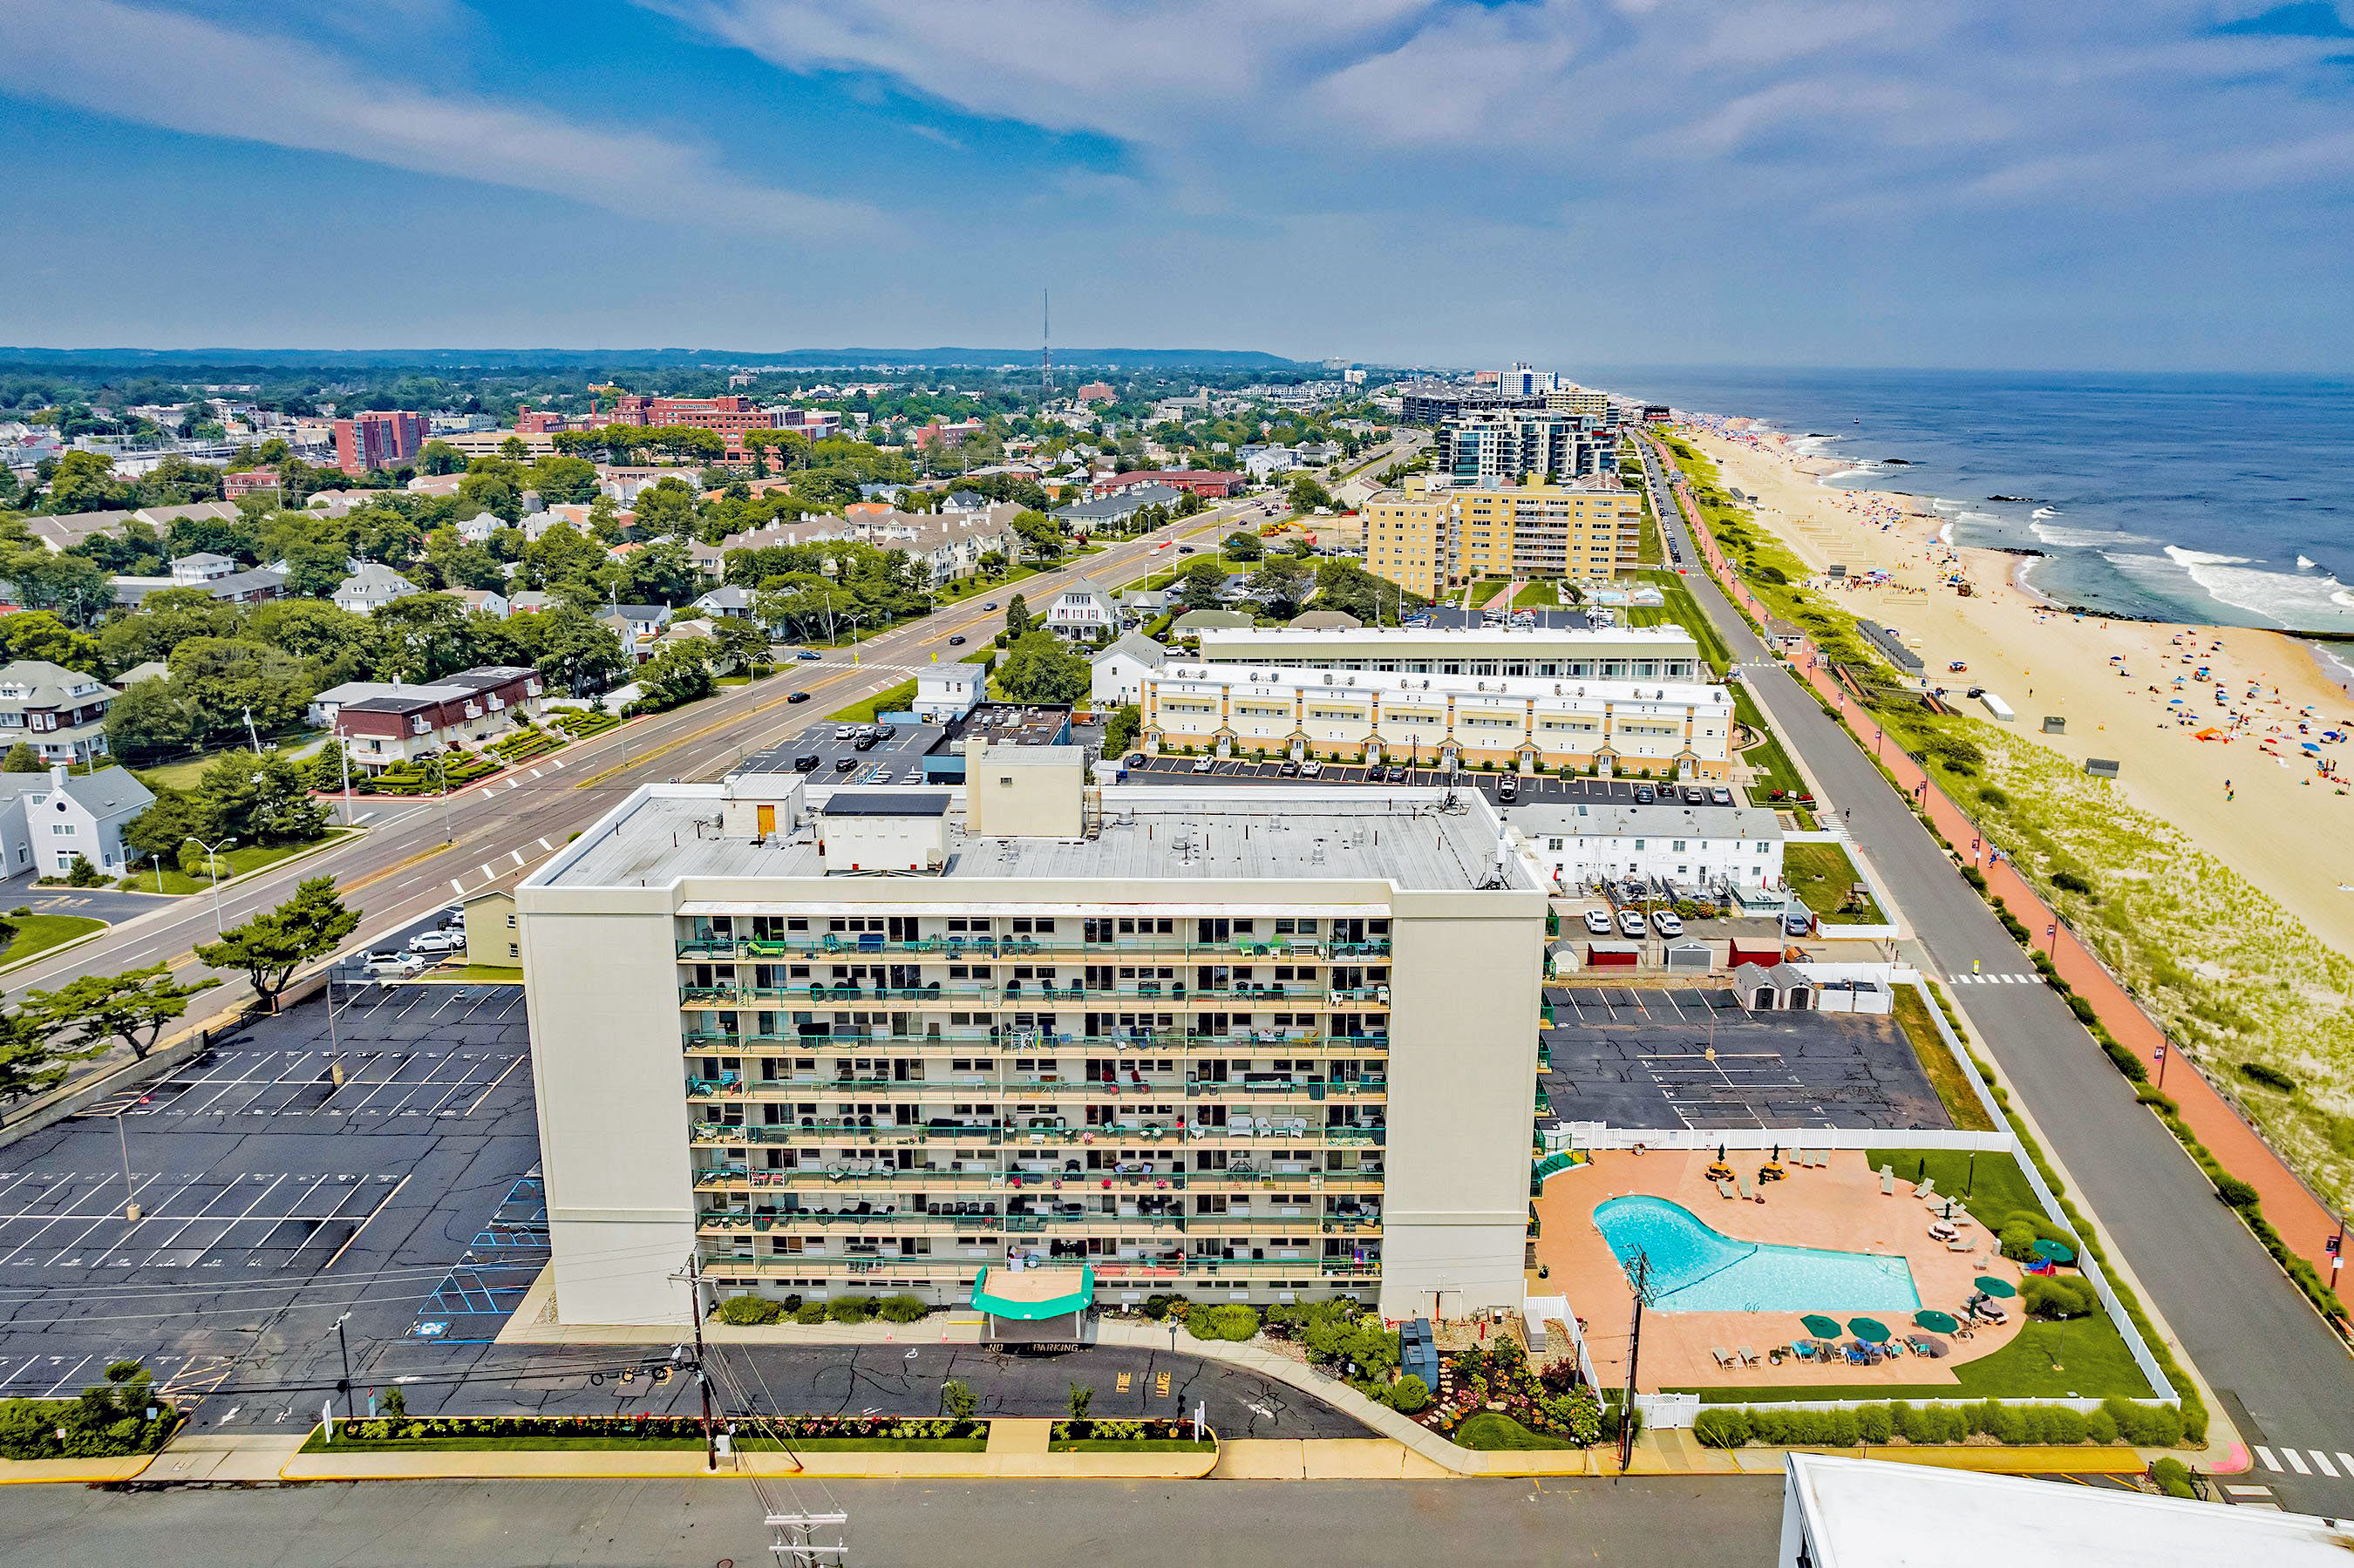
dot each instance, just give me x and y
(1689, 1057)
(1534, 790)
(903, 753)
(404, 1199)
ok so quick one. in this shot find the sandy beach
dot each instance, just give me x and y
(2249, 794)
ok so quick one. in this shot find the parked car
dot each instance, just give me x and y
(1668, 922)
(845, 764)
(1630, 922)
(863, 742)
(845, 732)
(1398, 774)
(805, 763)
(1201, 765)
(797, 697)
(1798, 925)
(398, 965)
(1695, 796)
(1719, 796)
(956, 642)
(454, 917)
(1289, 770)
(1598, 921)
(1645, 794)
(1136, 759)
(1311, 768)
(435, 943)
(1508, 789)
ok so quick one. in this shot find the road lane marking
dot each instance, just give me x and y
(2322, 1459)
(2297, 1461)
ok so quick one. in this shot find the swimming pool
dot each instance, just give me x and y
(1693, 1268)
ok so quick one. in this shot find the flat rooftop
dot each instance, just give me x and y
(1487, 634)
(1574, 691)
(1407, 837)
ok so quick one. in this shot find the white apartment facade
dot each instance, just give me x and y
(1577, 844)
(1581, 653)
(1610, 728)
(1198, 1041)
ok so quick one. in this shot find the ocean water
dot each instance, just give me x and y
(2218, 499)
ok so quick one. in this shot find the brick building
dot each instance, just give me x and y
(379, 438)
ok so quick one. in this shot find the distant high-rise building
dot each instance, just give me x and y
(730, 416)
(1524, 380)
(1512, 445)
(377, 439)
(1433, 539)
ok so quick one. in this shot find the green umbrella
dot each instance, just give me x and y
(1993, 1286)
(1821, 1327)
(1870, 1330)
(2056, 1251)
(1934, 1321)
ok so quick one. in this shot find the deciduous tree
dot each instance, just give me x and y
(269, 947)
(133, 1007)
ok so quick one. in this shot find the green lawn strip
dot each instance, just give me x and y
(39, 933)
(481, 974)
(1682, 610)
(2094, 1365)
(1486, 590)
(1774, 770)
(1131, 1445)
(1546, 595)
(891, 699)
(1989, 1186)
(188, 772)
(974, 587)
(1946, 1076)
(239, 861)
(1823, 875)
(543, 1442)
(1492, 1431)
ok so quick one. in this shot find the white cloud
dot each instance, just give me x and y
(162, 67)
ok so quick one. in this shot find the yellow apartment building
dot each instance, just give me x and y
(1429, 540)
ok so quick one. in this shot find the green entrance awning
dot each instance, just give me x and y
(1028, 1294)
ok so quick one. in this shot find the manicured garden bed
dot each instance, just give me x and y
(1492, 1431)
(582, 723)
(608, 1433)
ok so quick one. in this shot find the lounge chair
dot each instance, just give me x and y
(1724, 1191)
(1888, 1181)
(1748, 1357)
(1804, 1349)
(1723, 1357)
(1958, 1244)
(1743, 1182)
(1927, 1189)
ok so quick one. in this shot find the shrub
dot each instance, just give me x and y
(749, 1309)
(2236, 1193)
(2017, 1239)
(1721, 1428)
(1408, 1395)
(809, 1312)
(2173, 1478)
(851, 1309)
(1158, 1306)
(902, 1308)
(1232, 1320)
(2269, 1076)
(2054, 1296)
(1874, 1424)
(2069, 882)
(957, 1399)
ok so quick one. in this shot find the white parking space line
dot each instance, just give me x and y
(2322, 1460)
(2297, 1461)
(67, 1377)
(2344, 1458)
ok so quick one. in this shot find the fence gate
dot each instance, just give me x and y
(1667, 1412)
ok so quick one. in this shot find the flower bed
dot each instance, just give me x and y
(1497, 1377)
(607, 1432)
(582, 723)
(526, 744)
(1152, 1434)
(409, 778)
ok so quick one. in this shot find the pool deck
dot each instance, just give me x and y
(1839, 1206)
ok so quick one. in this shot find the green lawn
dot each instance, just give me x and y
(891, 699)
(481, 974)
(187, 773)
(2094, 1365)
(1948, 1077)
(1492, 1431)
(1990, 1186)
(1824, 876)
(1544, 595)
(1774, 770)
(39, 933)
(977, 588)
(1682, 610)
(236, 863)
(1486, 590)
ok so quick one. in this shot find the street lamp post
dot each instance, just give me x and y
(212, 859)
(442, 771)
(123, 1141)
(344, 750)
(345, 1348)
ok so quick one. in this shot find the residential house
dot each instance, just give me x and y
(481, 601)
(204, 567)
(46, 819)
(1325, 620)
(1086, 609)
(946, 691)
(369, 586)
(729, 603)
(530, 602)
(492, 937)
(635, 627)
(1193, 622)
(1210, 485)
(161, 518)
(1115, 510)
(61, 713)
(1117, 674)
(398, 724)
(477, 529)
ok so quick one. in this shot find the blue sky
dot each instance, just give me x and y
(2012, 183)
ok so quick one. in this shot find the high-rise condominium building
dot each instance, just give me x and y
(1174, 1040)
(1429, 539)
(379, 438)
(1507, 447)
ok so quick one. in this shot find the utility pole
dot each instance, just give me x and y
(345, 1348)
(693, 1275)
(1642, 1283)
(798, 1543)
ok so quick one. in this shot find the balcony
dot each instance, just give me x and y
(1016, 949)
(1019, 993)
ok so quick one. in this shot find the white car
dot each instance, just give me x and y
(1201, 765)
(1598, 922)
(401, 965)
(1311, 769)
(434, 944)
(1668, 922)
(1630, 922)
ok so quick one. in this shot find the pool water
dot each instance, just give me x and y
(1693, 1268)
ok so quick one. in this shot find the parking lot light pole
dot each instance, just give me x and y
(212, 859)
(123, 1141)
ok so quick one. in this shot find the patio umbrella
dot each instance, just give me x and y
(2056, 1251)
(1934, 1321)
(1821, 1327)
(1870, 1330)
(1993, 1286)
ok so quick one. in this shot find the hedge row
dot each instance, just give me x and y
(744, 1311)
(2138, 1424)
(646, 1428)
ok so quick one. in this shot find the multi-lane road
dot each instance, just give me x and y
(2279, 1373)
(418, 855)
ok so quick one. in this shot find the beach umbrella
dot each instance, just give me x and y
(1870, 1330)
(1821, 1327)
(1993, 1286)
(1937, 1322)
(2056, 1251)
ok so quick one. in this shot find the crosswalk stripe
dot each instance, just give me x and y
(2322, 1460)
(2297, 1461)
(2249, 1492)
(2346, 1459)
(2264, 1457)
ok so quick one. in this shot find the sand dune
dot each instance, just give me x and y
(2287, 830)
